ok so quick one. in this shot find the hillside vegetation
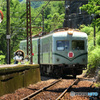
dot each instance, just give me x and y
(93, 8)
(53, 18)
(34, 4)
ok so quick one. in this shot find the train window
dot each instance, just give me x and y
(62, 45)
(77, 45)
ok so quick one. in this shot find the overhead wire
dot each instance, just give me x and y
(74, 18)
(33, 17)
(41, 11)
(81, 16)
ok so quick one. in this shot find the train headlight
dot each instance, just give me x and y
(70, 32)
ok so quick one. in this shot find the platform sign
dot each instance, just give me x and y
(7, 36)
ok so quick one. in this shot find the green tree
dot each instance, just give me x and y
(93, 51)
(18, 21)
(18, 25)
(93, 8)
(2, 57)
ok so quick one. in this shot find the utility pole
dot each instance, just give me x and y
(28, 29)
(42, 21)
(8, 32)
(94, 36)
(94, 17)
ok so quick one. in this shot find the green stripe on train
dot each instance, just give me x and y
(71, 58)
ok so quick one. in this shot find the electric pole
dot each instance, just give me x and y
(8, 32)
(94, 36)
(43, 21)
(28, 30)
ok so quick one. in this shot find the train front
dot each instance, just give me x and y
(70, 51)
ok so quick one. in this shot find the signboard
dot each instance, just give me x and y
(1, 16)
(70, 54)
(7, 36)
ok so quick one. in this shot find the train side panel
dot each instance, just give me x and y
(35, 42)
(46, 50)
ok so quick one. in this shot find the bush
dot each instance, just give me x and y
(87, 29)
(2, 57)
(94, 58)
(98, 40)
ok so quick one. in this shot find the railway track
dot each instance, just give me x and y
(78, 92)
(40, 90)
(53, 89)
(33, 95)
(63, 93)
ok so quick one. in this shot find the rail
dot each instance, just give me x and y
(63, 93)
(40, 90)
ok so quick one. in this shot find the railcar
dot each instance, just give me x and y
(61, 52)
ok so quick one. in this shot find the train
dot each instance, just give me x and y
(61, 52)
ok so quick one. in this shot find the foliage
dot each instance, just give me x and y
(17, 13)
(97, 84)
(54, 15)
(93, 51)
(2, 57)
(87, 29)
(53, 18)
(55, 22)
(34, 4)
(94, 57)
(93, 8)
(18, 26)
(98, 40)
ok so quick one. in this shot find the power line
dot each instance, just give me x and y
(41, 11)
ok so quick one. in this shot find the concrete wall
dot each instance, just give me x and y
(13, 77)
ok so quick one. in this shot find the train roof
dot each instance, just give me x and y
(22, 41)
(65, 32)
(60, 33)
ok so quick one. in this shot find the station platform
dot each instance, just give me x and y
(16, 76)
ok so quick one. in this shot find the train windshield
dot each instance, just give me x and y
(62, 45)
(78, 45)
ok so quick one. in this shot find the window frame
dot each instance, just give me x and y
(78, 40)
(64, 48)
